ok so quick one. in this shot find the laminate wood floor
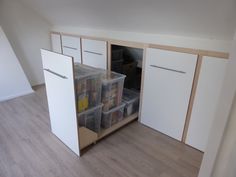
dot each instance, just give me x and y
(29, 149)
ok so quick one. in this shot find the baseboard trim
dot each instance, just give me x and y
(9, 97)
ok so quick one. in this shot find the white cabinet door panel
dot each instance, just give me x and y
(205, 104)
(94, 53)
(56, 42)
(71, 41)
(94, 46)
(59, 80)
(91, 59)
(76, 54)
(167, 87)
(71, 47)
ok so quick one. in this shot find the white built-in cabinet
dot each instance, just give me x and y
(166, 90)
(168, 78)
(206, 100)
(71, 47)
(94, 53)
(86, 51)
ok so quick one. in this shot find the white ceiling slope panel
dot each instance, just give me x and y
(213, 19)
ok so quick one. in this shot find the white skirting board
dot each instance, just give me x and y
(13, 82)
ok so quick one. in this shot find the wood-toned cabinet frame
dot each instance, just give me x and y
(144, 46)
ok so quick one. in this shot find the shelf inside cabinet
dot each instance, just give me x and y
(116, 126)
(87, 137)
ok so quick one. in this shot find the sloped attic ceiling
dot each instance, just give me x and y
(196, 18)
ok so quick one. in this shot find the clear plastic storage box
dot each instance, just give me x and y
(131, 100)
(88, 87)
(112, 89)
(91, 118)
(113, 116)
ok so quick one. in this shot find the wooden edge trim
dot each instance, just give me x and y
(141, 45)
(84, 36)
(50, 37)
(117, 42)
(128, 43)
(94, 38)
(192, 97)
(222, 55)
(76, 110)
(54, 32)
(61, 44)
(109, 56)
(81, 51)
(111, 41)
(72, 35)
(142, 83)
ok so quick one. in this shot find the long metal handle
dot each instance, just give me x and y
(168, 69)
(70, 47)
(52, 72)
(92, 52)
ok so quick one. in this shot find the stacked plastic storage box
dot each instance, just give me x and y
(112, 90)
(131, 100)
(88, 95)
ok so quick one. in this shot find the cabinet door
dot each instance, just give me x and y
(205, 102)
(71, 47)
(56, 42)
(168, 78)
(94, 53)
(59, 80)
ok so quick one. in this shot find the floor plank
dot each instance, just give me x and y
(28, 148)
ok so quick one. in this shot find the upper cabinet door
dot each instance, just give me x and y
(168, 78)
(56, 42)
(94, 53)
(59, 80)
(71, 47)
(205, 103)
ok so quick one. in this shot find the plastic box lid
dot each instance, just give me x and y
(91, 110)
(130, 96)
(111, 77)
(122, 105)
(83, 71)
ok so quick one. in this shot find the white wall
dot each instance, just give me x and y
(179, 41)
(13, 81)
(214, 19)
(221, 117)
(226, 160)
(136, 21)
(27, 33)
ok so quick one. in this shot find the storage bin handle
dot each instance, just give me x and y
(168, 69)
(52, 72)
(92, 52)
